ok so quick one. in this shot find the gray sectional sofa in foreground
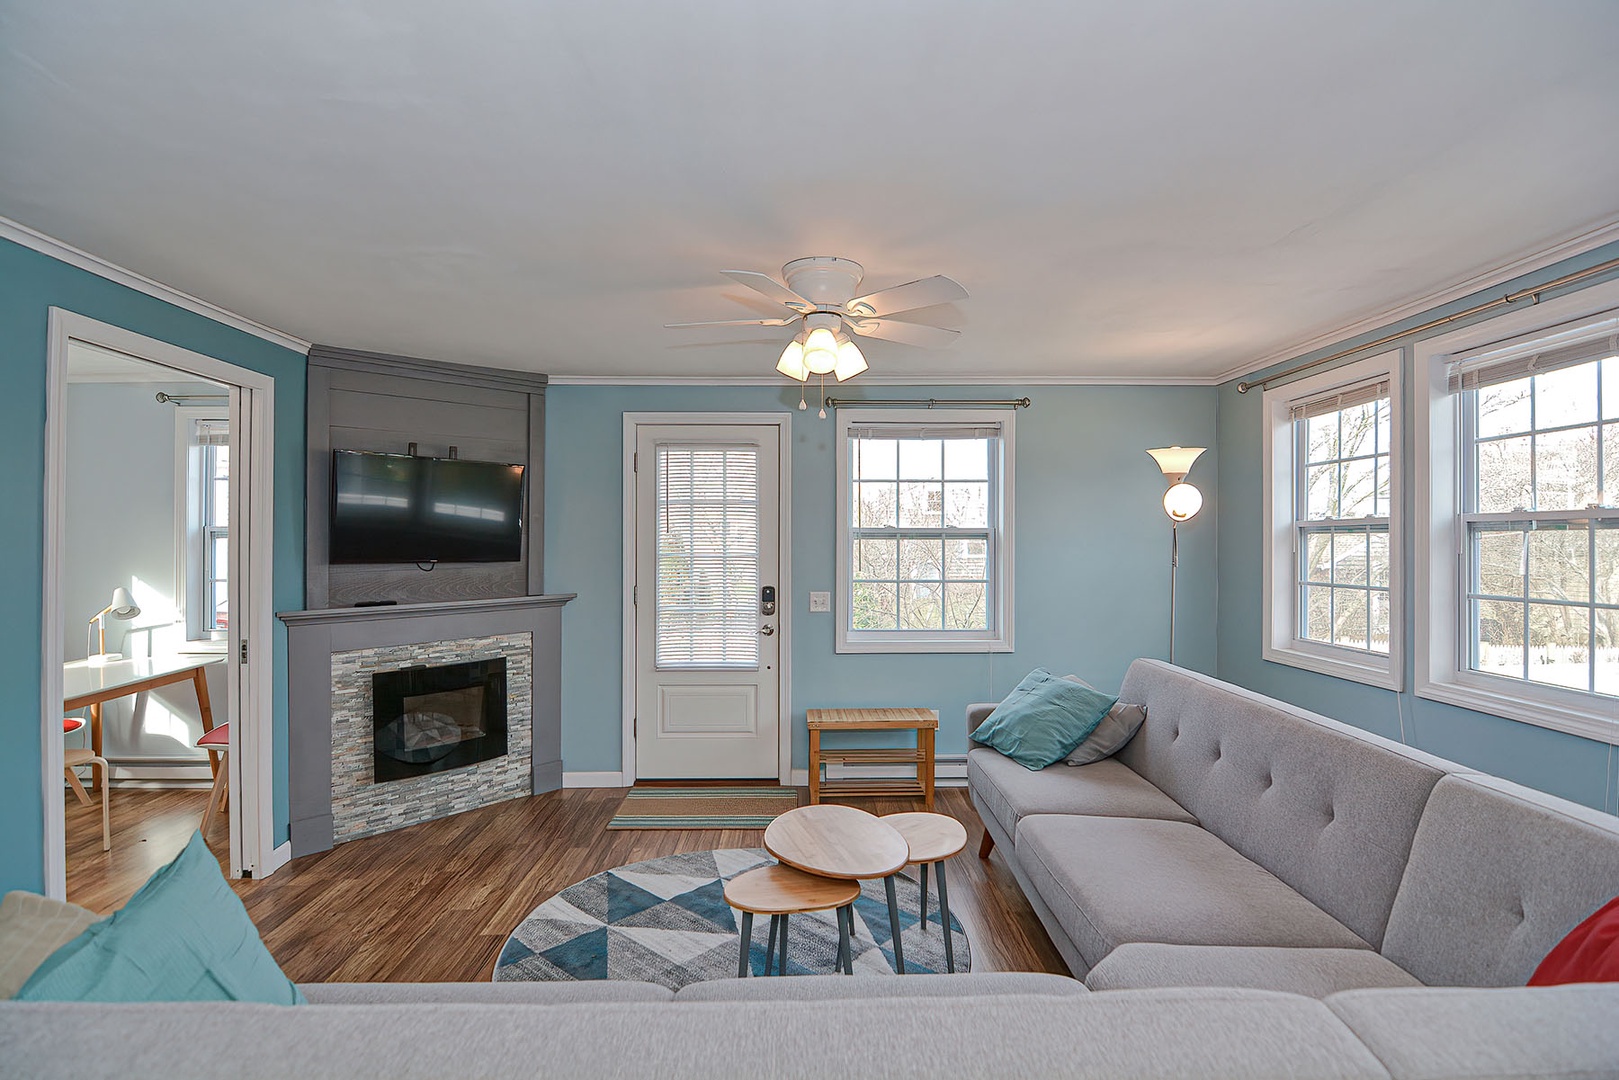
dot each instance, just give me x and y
(1250, 891)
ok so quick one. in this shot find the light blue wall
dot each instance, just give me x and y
(1565, 765)
(31, 284)
(1092, 550)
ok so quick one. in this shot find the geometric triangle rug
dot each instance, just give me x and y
(666, 921)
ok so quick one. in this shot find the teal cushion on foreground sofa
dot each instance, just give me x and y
(1043, 719)
(183, 937)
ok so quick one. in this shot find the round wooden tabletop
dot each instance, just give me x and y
(931, 837)
(781, 890)
(837, 842)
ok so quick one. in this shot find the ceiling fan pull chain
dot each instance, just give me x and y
(801, 405)
(823, 397)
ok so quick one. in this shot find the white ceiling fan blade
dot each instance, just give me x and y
(903, 332)
(733, 322)
(927, 292)
(769, 286)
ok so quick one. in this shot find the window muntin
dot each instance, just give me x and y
(1540, 516)
(1341, 518)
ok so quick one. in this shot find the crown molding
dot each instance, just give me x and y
(1567, 248)
(892, 380)
(37, 241)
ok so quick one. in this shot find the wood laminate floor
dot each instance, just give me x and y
(435, 902)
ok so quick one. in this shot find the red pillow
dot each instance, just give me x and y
(1590, 953)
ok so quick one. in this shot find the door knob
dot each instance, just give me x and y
(767, 630)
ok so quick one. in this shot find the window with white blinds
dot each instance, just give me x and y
(924, 561)
(1540, 508)
(707, 580)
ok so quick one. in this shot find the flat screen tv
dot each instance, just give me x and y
(394, 508)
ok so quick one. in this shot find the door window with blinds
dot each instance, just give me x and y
(1332, 579)
(1539, 434)
(924, 528)
(707, 579)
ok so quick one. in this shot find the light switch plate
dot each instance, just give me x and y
(820, 601)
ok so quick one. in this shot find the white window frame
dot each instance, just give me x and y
(998, 638)
(1282, 643)
(190, 524)
(1442, 672)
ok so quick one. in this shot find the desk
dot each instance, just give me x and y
(923, 721)
(85, 684)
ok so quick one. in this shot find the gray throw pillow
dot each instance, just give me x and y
(1118, 727)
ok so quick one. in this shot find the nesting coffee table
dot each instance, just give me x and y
(843, 842)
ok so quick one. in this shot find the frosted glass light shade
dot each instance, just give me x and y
(791, 363)
(850, 362)
(1182, 502)
(821, 351)
(1176, 461)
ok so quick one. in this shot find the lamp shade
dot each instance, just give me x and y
(791, 363)
(821, 352)
(850, 361)
(123, 605)
(1182, 502)
(1176, 461)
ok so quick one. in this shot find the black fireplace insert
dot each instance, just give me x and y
(432, 719)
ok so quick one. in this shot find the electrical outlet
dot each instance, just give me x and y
(820, 601)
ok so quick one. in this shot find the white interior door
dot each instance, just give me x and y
(708, 647)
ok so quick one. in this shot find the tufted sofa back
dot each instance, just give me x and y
(1327, 808)
(1498, 875)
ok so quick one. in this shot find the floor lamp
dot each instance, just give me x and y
(1181, 502)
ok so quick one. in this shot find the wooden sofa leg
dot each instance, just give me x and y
(986, 845)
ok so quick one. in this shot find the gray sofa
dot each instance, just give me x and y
(1237, 841)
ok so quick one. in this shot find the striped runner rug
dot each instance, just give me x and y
(702, 807)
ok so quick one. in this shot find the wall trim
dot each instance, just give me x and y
(22, 235)
(1567, 248)
(893, 380)
(593, 780)
(275, 859)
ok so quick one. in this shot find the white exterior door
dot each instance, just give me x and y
(707, 641)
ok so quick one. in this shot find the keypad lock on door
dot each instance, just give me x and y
(767, 600)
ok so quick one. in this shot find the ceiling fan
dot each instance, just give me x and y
(820, 294)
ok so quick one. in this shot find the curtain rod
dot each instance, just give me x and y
(1533, 292)
(930, 403)
(186, 399)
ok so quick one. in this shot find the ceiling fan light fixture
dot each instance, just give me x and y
(821, 351)
(791, 363)
(850, 361)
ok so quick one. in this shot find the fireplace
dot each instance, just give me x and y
(432, 719)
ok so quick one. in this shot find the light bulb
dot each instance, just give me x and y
(791, 363)
(850, 362)
(1182, 502)
(820, 351)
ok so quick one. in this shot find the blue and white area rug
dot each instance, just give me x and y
(666, 921)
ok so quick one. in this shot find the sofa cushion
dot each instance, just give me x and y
(1329, 809)
(483, 993)
(1311, 972)
(843, 988)
(1499, 875)
(1114, 880)
(1565, 1031)
(1160, 1033)
(31, 928)
(1043, 719)
(1010, 792)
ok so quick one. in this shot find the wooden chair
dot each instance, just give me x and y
(74, 757)
(216, 741)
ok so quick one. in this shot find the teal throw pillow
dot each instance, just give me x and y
(1043, 719)
(183, 937)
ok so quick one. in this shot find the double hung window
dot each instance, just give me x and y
(206, 550)
(924, 521)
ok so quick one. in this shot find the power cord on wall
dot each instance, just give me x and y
(1399, 708)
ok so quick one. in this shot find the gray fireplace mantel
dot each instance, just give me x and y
(314, 636)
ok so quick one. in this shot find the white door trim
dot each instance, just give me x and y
(252, 838)
(783, 423)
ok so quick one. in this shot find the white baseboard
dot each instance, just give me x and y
(594, 779)
(279, 856)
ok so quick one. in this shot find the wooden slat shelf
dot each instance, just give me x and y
(874, 786)
(924, 722)
(884, 755)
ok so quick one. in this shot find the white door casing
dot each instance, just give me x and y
(705, 679)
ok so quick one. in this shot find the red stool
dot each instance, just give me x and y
(216, 741)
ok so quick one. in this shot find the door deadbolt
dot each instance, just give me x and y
(767, 600)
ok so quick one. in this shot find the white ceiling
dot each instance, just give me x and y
(1142, 189)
